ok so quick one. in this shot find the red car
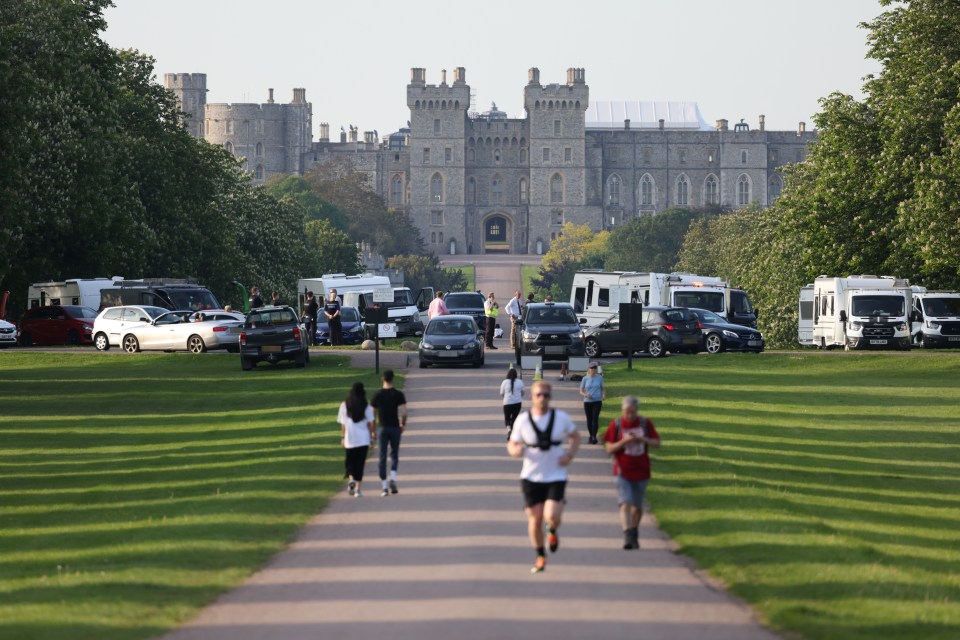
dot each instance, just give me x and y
(56, 324)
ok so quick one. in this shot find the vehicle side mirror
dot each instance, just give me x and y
(582, 321)
(756, 313)
(142, 319)
(843, 316)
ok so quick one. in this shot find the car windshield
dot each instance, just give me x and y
(706, 316)
(942, 307)
(877, 305)
(464, 301)
(193, 299)
(740, 302)
(348, 314)
(678, 315)
(169, 318)
(81, 312)
(709, 300)
(552, 315)
(401, 298)
(267, 318)
(449, 327)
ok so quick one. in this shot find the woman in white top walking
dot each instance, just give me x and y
(356, 424)
(511, 389)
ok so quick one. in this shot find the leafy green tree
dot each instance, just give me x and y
(650, 243)
(330, 250)
(576, 247)
(425, 271)
(298, 189)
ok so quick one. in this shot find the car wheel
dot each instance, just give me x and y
(245, 364)
(131, 344)
(714, 343)
(423, 365)
(101, 342)
(592, 348)
(25, 340)
(195, 344)
(73, 338)
(655, 348)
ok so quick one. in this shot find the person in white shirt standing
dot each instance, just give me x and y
(511, 389)
(513, 310)
(538, 437)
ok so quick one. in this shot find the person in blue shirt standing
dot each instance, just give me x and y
(593, 393)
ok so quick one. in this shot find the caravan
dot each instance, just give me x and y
(357, 291)
(935, 320)
(596, 295)
(861, 312)
(76, 292)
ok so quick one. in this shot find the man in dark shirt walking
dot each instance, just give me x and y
(390, 406)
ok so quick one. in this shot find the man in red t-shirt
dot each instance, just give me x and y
(627, 440)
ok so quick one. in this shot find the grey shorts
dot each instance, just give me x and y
(631, 491)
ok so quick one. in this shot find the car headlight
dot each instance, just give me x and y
(469, 345)
(856, 326)
(901, 326)
(932, 324)
(730, 334)
(529, 336)
(577, 335)
(426, 345)
(356, 329)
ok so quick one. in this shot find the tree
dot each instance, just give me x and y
(650, 243)
(576, 247)
(330, 250)
(425, 271)
(298, 189)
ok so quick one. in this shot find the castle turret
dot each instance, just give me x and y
(191, 92)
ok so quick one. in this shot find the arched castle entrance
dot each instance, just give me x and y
(497, 233)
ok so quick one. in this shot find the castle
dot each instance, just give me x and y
(483, 182)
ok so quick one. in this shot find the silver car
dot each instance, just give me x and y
(113, 323)
(177, 330)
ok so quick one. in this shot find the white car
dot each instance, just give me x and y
(175, 330)
(113, 323)
(8, 334)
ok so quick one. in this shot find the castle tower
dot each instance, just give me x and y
(191, 92)
(438, 119)
(558, 190)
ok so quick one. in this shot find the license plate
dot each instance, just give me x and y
(448, 354)
(690, 340)
(554, 350)
(954, 339)
(271, 348)
(753, 343)
(878, 342)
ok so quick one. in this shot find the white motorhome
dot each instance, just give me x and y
(596, 295)
(76, 291)
(805, 325)
(861, 312)
(341, 282)
(935, 321)
(404, 310)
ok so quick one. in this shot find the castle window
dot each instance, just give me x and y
(546, 154)
(683, 156)
(646, 191)
(556, 189)
(426, 155)
(523, 191)
(433, 237)
(436, 126)
(743, 156)
(496, 189)
(436, 188)
(711, 191)
(472, 191)
(228, 146)
(496, 156)
(523, 156)
(396, 190)
(556, 217)
(229, 126)
(774, 155)
(613, 191)
(647, 155)
(567, 154)
(436, 217)
(775, 188)
(448, 155)
(743, 190)
(259, 149)
(441, 237)
(258, 173)
(556, 128)
(471, 155)
(683, 191)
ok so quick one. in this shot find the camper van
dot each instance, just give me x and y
(404, 310)
(805, 324)
(74, 292)
(342, 283)
(935, 321)
(861, 312)
(596, 295)
(173, 294)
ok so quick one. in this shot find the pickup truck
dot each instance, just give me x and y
(273, 334)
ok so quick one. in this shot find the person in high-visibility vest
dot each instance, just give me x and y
(490, 309)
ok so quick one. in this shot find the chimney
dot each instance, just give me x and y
(533, 76)
(343, 136)
(459, 75)
(443, 76)
(353, 133)
(418, 75)
(299, 96)
(763, 122)
(324, 132)
(803, 127)
(270, 95)
(368, 137)
(626, 124)
(661, 124)
(722, 124)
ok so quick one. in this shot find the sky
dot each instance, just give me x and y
(735, 58)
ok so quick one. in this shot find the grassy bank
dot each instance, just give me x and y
(135, 489)
(821, 488)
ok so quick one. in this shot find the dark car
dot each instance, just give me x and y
(273, 334)
(57, 324)
(351, 327)
(467, 303)
(720, 335)
(451, 339)
(550, 330)
(665, 329)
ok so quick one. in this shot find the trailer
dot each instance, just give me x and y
(75, 291)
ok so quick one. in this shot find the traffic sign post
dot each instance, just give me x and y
(631, 321)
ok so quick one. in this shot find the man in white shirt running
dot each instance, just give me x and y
(538, 437)
(513, 310)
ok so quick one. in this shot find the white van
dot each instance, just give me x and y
(341, 282)
(861, 312)
(404, 310)
(76, 291)
(935, 321)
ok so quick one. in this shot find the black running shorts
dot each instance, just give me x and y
(535, 493)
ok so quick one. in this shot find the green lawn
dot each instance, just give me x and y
(822, 488)
(135, 489)
(469, 272)
(527, 273)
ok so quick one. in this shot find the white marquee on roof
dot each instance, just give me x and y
(603, 114)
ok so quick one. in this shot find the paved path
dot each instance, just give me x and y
(449, 557)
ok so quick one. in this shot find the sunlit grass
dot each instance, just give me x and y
(134, 490)
(823, 488)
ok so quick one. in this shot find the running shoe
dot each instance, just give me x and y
(540, 565)
(358, 494)
(553, 540)
(352, 487)
(384, 493)
(393, 486)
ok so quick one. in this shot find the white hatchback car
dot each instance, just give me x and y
(177, 330)
(113, 323)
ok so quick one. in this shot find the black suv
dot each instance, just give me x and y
(467, 303)
(664, 329)
(273, 334)
(550, 330)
